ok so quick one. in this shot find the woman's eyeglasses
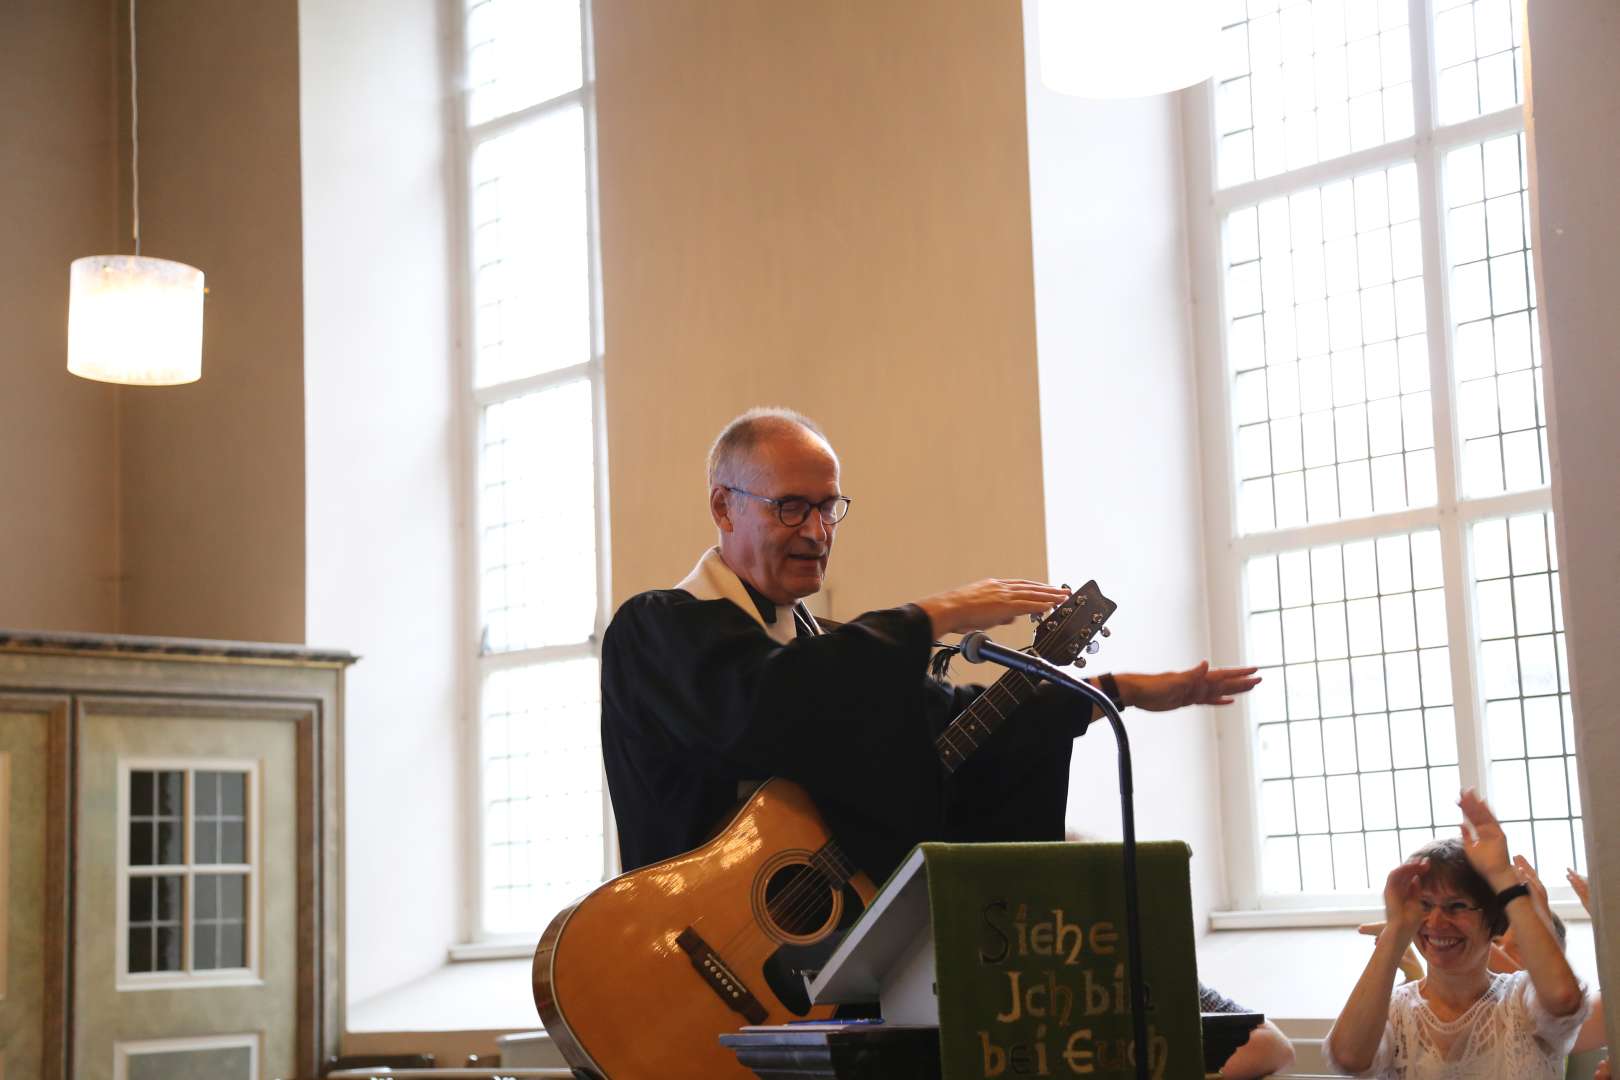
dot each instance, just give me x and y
(1451, 909)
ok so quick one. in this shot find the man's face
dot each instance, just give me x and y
(785, 564)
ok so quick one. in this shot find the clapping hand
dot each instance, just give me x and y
(1528, 875)
(1484, 842)
(1583, 891)
(1403, 889)
(1507, 945)
(1201, 685)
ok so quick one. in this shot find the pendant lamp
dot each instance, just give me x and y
(133, 319)
(1126, 48)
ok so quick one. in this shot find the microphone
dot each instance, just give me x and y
(977, 648)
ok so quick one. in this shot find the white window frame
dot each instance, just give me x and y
(123, 1051)
(473, 665)
(253, 872)
(1227, 550)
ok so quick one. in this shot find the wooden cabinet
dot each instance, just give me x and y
(170, 857)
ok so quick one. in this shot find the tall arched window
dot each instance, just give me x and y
(1368, 319)
(532, 385)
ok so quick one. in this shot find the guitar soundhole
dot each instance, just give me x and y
(798, 900)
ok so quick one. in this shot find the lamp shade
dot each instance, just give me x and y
(1126, 48)
(135, 320)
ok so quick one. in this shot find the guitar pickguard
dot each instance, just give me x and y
(786, 969)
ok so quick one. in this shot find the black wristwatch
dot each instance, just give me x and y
(1511, 893)
(1110, 686)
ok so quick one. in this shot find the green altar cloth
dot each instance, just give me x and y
(1031, 960)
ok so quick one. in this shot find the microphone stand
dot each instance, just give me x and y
(1035, 667)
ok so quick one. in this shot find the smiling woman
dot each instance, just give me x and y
(1461, 1020)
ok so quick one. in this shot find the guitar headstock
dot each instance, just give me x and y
(1069, 629)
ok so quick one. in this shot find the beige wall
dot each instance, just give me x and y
(826, 207)
(58, 562)
(212, 474)
(167, 511)
(1575, 111)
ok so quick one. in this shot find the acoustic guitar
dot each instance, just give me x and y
(637, 979)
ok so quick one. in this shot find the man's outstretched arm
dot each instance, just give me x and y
(998, 601)
(1202, 685)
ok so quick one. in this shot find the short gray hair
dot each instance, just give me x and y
(738, 439)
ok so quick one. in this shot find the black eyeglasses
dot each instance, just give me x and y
(1453, 909)
(793, 510)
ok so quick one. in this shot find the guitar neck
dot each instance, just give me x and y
(981, 719)
(1059, 639)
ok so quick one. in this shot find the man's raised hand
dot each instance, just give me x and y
(987, 603)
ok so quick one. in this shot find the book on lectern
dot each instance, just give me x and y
(1018, 952)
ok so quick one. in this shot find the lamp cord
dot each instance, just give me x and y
(134, 137)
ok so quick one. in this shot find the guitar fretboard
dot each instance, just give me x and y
(979, 721)
(1058, 640)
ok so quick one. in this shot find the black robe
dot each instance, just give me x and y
(697, 698)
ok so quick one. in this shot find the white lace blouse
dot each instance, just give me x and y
(1506, 1033)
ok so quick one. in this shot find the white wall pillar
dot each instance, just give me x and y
(1575, 156)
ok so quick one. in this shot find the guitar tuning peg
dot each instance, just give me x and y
(1065, 587)
(1034, 616)
(1079, 661)
(1107, 632)
(1093, 646)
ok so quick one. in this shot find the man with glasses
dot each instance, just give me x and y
(727, 680)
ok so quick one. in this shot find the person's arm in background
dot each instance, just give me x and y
(1505, 954)
(1411, 964)
(1267, 1051)
(1592, 1033)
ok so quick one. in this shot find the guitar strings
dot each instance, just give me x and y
(1002, 686)
(808, 888)
(800, 897)
(813, 885)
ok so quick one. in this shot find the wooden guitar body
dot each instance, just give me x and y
(637, 979)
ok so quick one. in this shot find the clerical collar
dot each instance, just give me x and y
(712, 579)
(766, 606)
